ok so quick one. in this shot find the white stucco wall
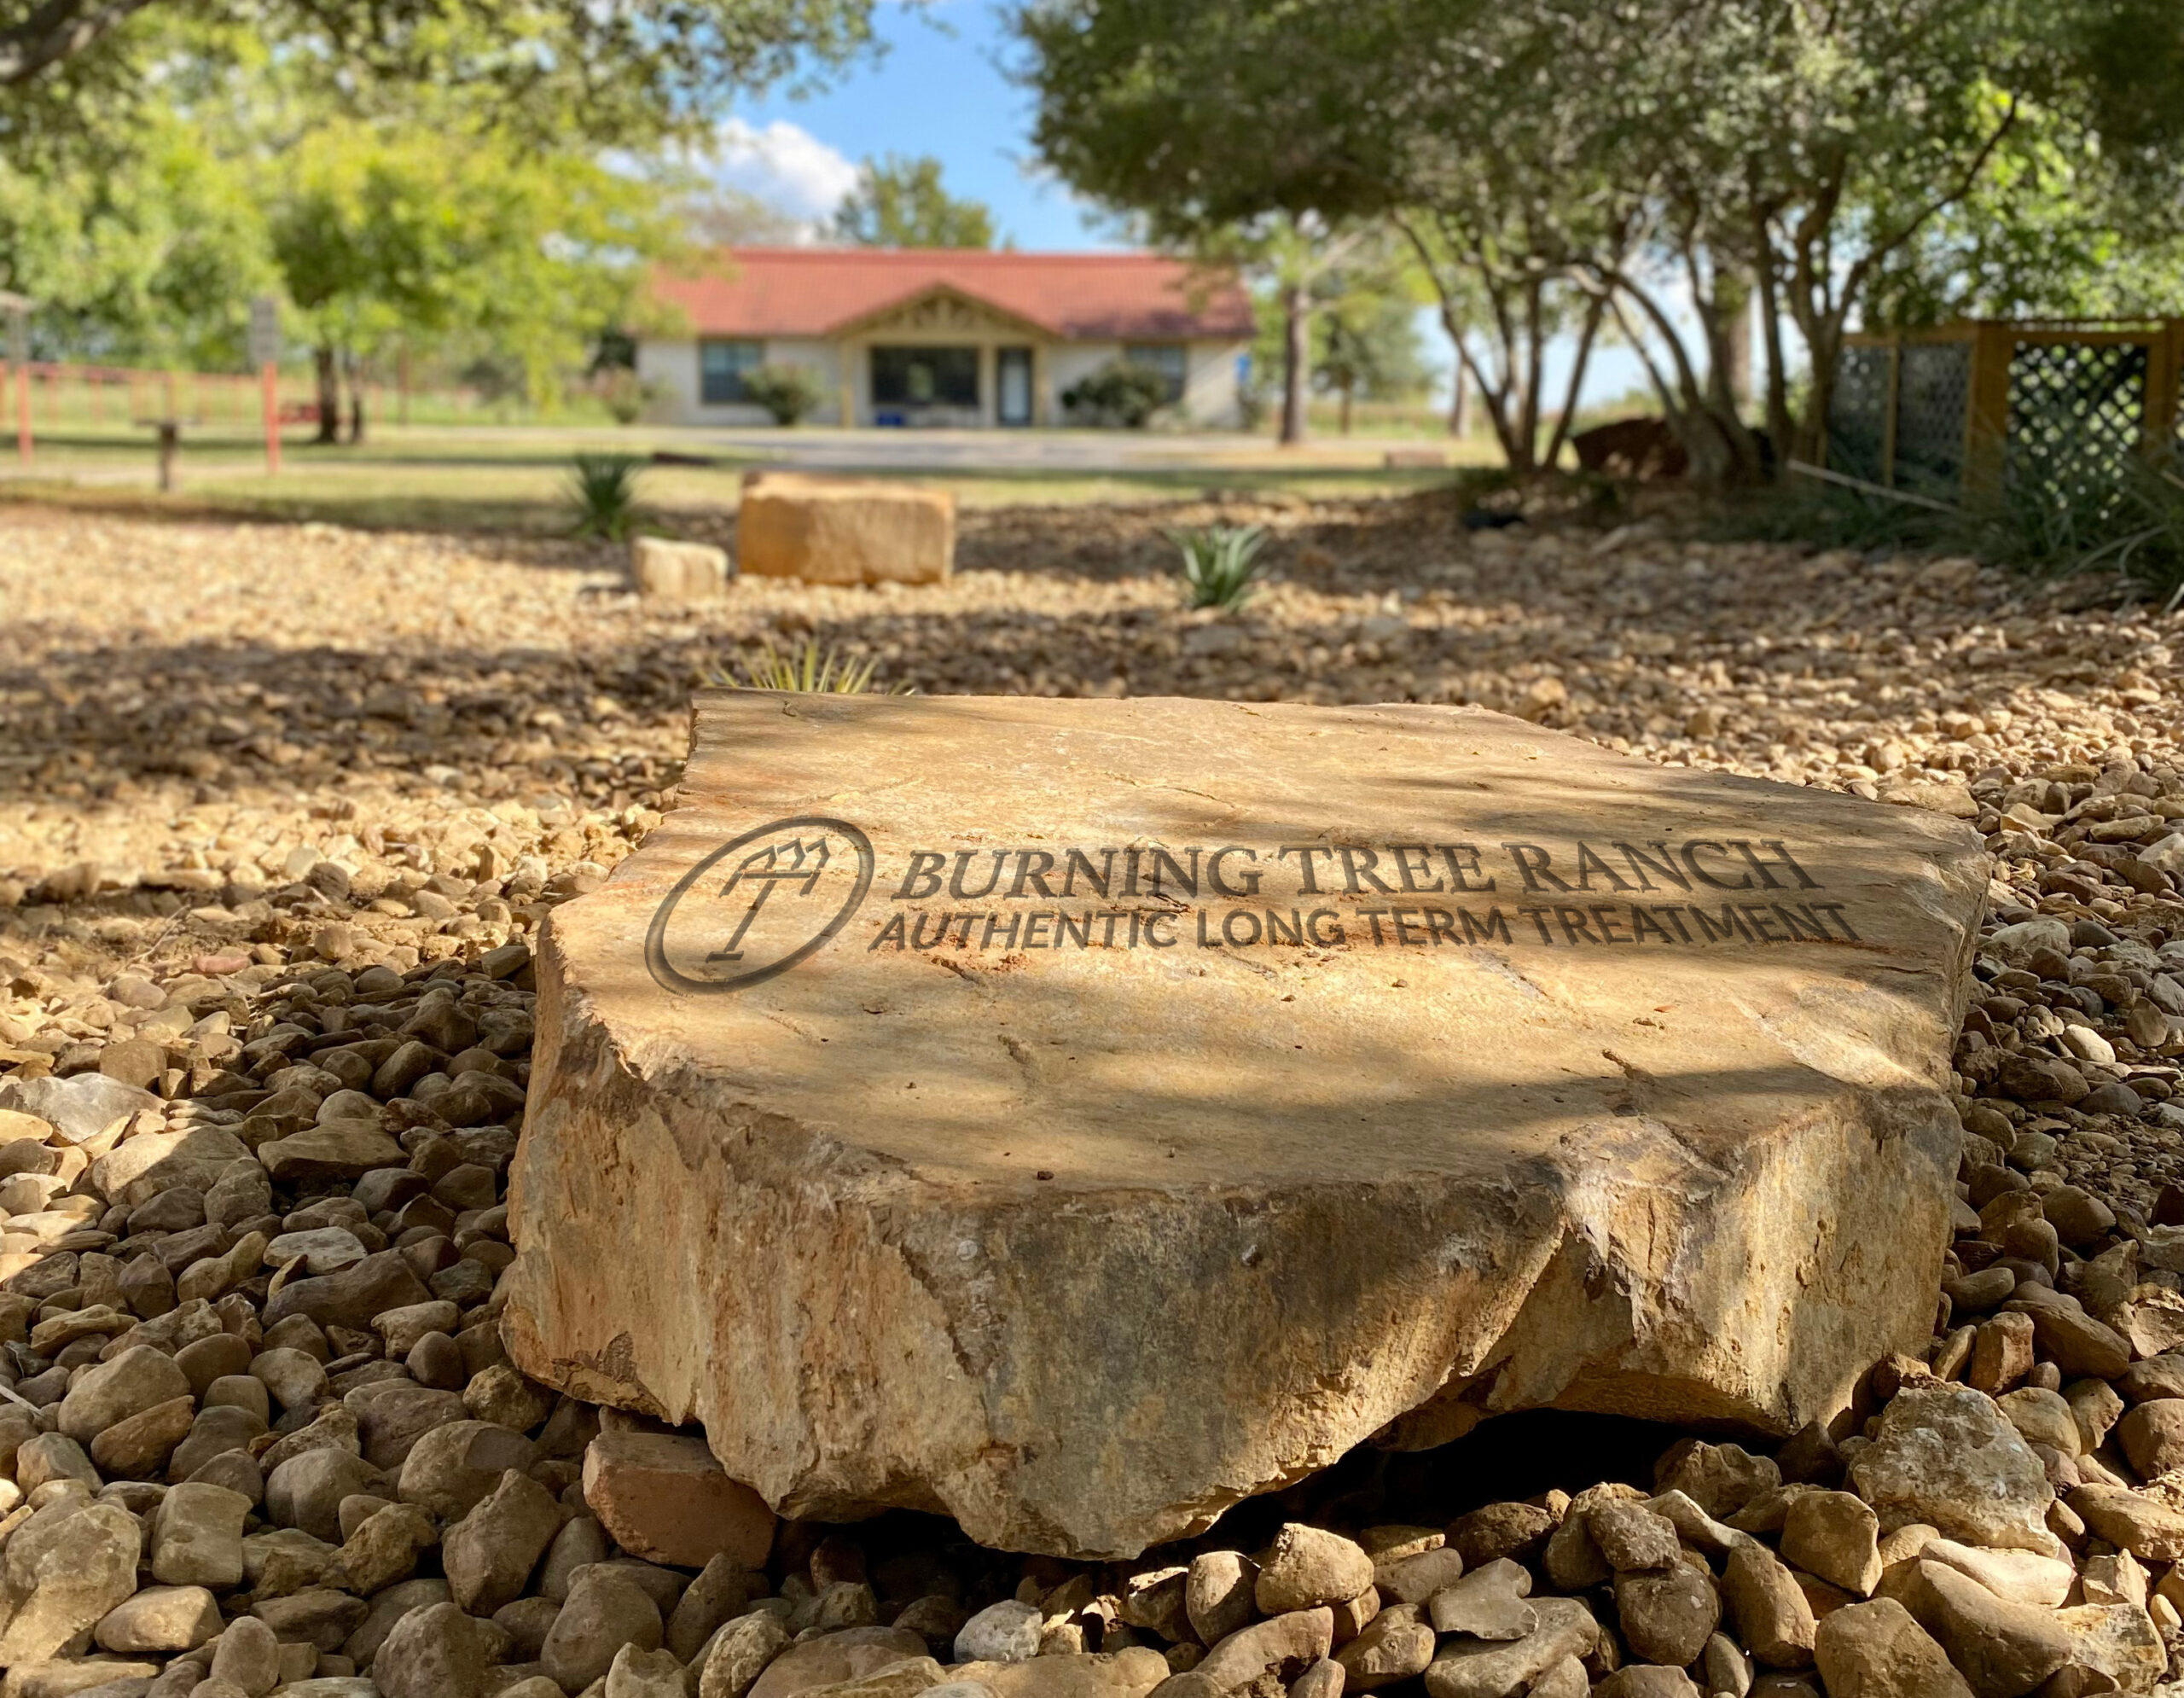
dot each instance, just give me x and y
(1068, 363)
(1209, 384)
(671, 369)
(1209, 387)
(1209, 377)
(825, 365)
(672, 366)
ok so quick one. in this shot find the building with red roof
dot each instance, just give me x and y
(942, 336)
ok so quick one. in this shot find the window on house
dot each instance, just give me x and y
(1168, 359)
(925, 377)
(722, 367)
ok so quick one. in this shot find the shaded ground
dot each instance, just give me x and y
(153, 666)
(193, 704)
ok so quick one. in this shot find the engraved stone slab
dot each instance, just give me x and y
(1076, 1116)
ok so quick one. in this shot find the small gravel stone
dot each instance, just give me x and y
(664, 1497)
(489, 1552)
(431, 1653)
(603, 1612)
(1632, 1536)
(1774, 1621)
(1218, 1594)
(161, 1619)
(197, 1535)
(1310, 1565)
(1487, 1603)
(1003, 1633)
(2000, 1647)
(739, 1652)
(1837, 1537)
(248, 1657)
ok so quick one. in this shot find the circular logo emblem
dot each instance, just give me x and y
(757, 906)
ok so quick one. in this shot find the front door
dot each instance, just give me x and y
(1015, 385)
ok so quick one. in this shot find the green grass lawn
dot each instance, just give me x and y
(510, 478)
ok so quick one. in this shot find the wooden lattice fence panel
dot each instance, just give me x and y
(2077, 419)
(1933, 389)
(2057, 411)
(1857, 419)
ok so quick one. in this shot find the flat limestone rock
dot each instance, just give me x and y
(1075, 1117)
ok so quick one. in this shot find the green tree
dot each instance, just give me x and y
(1365, 328)
(1212, 129)
(1298, 265)
(152, 258)
(557, 70)
(1559, 164)
(382, 233)
(2056, 228)
(1797, 154)
(901, 202)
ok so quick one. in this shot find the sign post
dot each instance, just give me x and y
(265, 355)
(18, 309)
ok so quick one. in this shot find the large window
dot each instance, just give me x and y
(1168, 359)
(925, 377)
(721, 369)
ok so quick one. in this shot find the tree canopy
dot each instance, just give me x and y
(382, 234)
(901, 202)
(1668, 167)
(568, 68)
(418, 176)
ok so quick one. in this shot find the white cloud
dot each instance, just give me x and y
(785, 166)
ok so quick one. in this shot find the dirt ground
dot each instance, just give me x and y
(196, 713)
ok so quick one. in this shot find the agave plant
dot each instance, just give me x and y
(810, 671)
(1219, 563)
(603, 488)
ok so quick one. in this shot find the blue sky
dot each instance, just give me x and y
(938, 89)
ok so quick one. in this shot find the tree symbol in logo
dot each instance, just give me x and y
(821, 868)
(768, 869)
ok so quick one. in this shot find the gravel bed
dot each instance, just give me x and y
(281, 809)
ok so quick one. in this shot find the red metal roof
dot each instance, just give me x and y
(818, 291)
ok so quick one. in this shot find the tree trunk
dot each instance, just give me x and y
(1595, 311)
(1739, 349)
(1824, 336)
(1528, 405)
(329, 395)
(1346, 396)
(1460, 403)
(1770, 327)
(356, 402)
(1726, 319)
(1296, 356)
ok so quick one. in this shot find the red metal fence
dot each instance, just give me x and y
(51, 398)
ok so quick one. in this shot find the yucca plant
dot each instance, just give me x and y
(809, 671)
(603, 488)
(1219, 563)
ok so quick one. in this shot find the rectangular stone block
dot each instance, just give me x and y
(1077, 1116)
(678, 571)
(828, 530)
